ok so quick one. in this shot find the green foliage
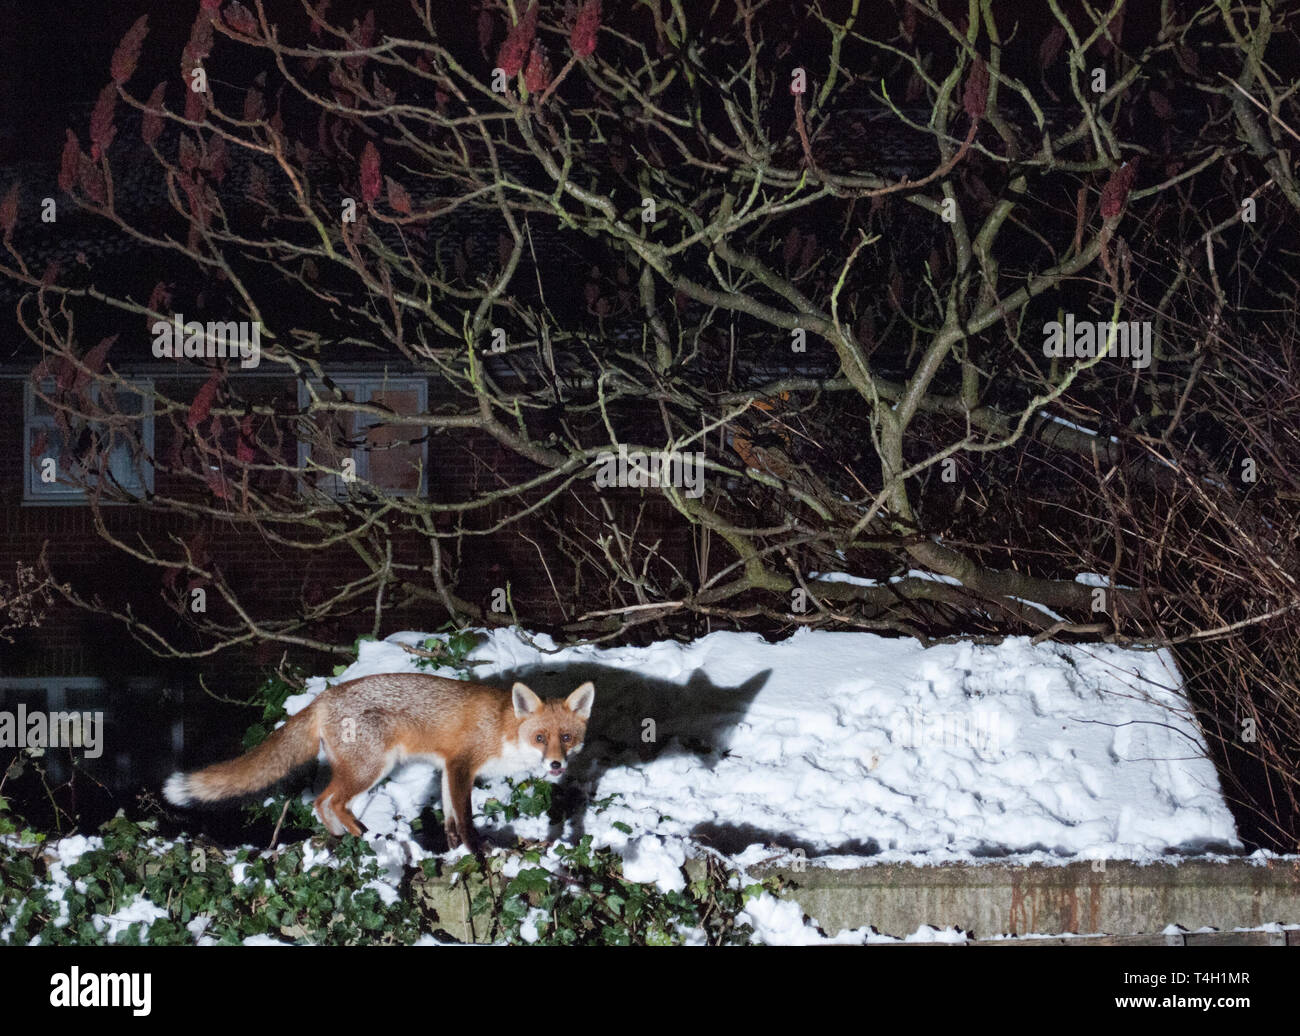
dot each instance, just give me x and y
(20, 855)
(326, 904)
(452, 648)
(581, 897)
(567, 895)
(27, 772)
(12, 824)
(529, 798)
(270, 697)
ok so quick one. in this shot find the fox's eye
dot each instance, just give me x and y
(565, 737)
(540, 739)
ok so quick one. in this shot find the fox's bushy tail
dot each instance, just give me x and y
(288, 747)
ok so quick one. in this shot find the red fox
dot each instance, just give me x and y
(369, 725)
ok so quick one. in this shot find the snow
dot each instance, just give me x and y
(67, 851)
(915, 573)
(139, 910)
(1097, 579)
(781, 922)
(832, 749)
(265, 940)
(1039, 607)
(651, 860)
(528, 930)
(860, 747)
(1070, 424)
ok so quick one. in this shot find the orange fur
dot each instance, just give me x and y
(369, 725)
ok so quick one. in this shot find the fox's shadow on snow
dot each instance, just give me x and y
(635, 719)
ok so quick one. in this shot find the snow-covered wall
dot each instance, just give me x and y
(855, 748)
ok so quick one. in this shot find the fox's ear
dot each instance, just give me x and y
(580, 701)
(525, 701)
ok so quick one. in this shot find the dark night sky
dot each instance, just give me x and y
(54, 56)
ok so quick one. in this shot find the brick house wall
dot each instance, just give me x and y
(75, 643)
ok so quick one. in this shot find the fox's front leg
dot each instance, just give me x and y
(449, 812)
(457, 780)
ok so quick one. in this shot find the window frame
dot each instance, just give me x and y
(354, 384)
(59, 494)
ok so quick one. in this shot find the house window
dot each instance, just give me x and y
(95, 438)
(97, 726)
(387, 458)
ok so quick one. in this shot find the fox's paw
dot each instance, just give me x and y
(470, 839)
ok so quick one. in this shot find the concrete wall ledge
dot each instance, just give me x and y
(1124, 904)
(990, 899)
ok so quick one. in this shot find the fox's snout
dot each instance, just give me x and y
(555, 757)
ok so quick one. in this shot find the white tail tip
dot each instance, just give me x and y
(176, 790)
